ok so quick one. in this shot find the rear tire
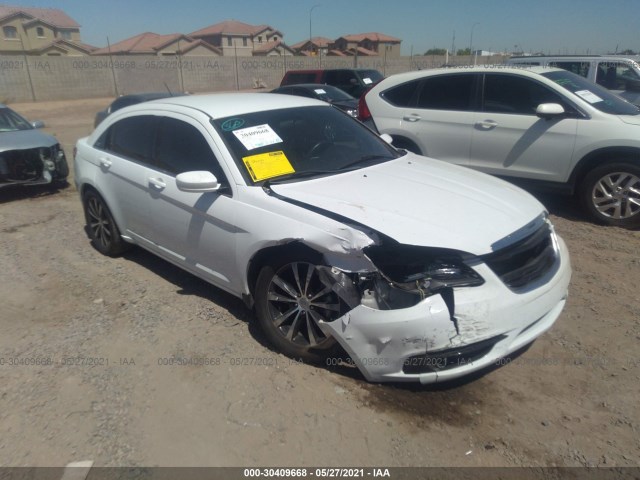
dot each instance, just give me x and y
(101, 227)
(611, 194)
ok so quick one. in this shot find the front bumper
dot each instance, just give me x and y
(31, 167)
(382, 343)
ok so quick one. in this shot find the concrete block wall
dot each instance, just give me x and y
(30, 78)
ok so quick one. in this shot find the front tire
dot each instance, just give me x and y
(611, 194)
(291, 301)
(101, 228)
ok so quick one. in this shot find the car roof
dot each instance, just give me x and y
(526, 69)
(219, 105)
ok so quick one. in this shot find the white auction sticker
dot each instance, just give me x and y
(320, 91)
(258, 136)
(367, 81)
(589, 96)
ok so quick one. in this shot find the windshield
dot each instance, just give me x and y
(593, 94)
(10, 121)
(369, 77)
(328, 93)
(295, 143)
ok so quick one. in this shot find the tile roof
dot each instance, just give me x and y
(52, 16)
(321, 42)
(147, 42)
(231, 27)
(373, 36)
(61, 43)
(269, 46)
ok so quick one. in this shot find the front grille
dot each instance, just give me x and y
(450, 358)
(526, 260)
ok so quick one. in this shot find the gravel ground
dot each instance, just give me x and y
(105, 330)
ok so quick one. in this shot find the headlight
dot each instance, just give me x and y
(432, 268)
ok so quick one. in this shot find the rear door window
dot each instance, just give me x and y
(131, 138)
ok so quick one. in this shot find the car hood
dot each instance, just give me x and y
(24, 139)
(422, 201)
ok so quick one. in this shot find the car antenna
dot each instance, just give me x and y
(168, 89)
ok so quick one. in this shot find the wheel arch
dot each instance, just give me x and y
(269, 255)
(600, 157)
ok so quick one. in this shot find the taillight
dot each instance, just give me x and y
(363, 109)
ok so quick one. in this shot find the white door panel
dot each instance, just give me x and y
(523, 145)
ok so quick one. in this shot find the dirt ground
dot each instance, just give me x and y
(105, 330)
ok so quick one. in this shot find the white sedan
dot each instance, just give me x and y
(419, 270)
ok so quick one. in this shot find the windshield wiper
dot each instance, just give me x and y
(365, 159)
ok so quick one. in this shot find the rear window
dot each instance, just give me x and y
(299, 77)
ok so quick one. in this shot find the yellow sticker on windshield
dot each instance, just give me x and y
(267, 165)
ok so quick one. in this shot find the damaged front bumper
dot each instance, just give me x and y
(33, 166)
(424, 343)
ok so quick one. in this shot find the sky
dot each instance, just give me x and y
(548, 26)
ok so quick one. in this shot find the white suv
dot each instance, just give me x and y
(541, 126)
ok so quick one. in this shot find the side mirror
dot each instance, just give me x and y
(197, 181)
(549, 110)
(37, 124)
(387, 138)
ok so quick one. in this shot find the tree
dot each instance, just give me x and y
(628, 51)
(464, 51)
(436, 51)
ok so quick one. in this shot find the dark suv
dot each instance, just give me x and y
(353, 81)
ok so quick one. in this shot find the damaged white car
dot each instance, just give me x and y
(28, 156)
(419, 270)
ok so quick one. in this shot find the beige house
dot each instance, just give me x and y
(366, 44)
(235, 38)
(314, 47)
(40, 31)
(150, 43)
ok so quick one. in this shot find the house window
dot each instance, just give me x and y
(40, 32)
(10, 32)
(244, 42)
(275, 38)
(65, 34)
(229, 42)
(259, 38)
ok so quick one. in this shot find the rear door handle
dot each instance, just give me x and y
(412, 118)
(486, 124)
(105, 162)
(157, 183)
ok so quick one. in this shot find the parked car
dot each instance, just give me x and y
(128, 100)
(353, 81)
(420, 270)
(539, 126)
(28, 156)
(326, 93)
(619, 74)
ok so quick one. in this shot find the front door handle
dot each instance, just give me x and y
(486, 124)
(157, 183)
(105, 162)
(412, 118)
